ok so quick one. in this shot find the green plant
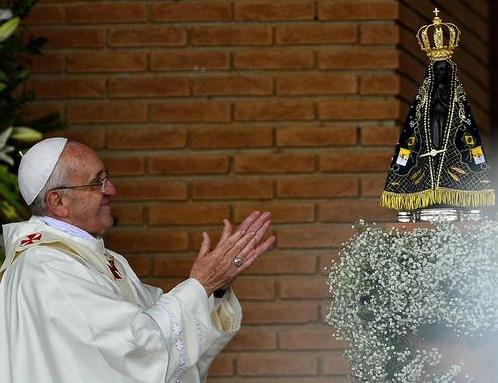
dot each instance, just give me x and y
(17, 133)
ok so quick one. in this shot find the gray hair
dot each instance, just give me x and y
(57, 177)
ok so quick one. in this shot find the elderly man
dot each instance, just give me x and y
(72, 311)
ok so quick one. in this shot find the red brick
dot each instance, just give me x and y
(148, 87)
(189, 60)
(352, 210)
(45, 14)
(233, 85)
(280, 211)
(271, 110)
(316, 34)
(146, 138)
(49, 62)
(312, 236)
(336, 364)
(91, 137)
(372, 186)
(355, 161)
(222, 365)
(187, 214)
(41, 109)
(314, 338)
(409, 18)
(95, 13)
(317, 187)
(359, 58)
(274, 11)
(107, 112)
(254, 288)
(380, 135)
(150, 189)
(280, 313)
(276, 364)
(294, 288)
(384, 84)
(253, 338)
(317, 136)
(233, 137)
(173, 266)
(69, 87)
(194, 111)
(359, 110)
(233, 188)
(379, 34)
(301, 379)
(316, 84)
(146, 240)
(188, 164)
(231, 35)
(368, 10)
(148, 36)
(128, 214)
(283, 263)
(274, 163)
(273, 59)
(140, 265)
(71, 38)
(192, 11)
(130, 165)
(480, 6)
(106, 61)
(411, 67)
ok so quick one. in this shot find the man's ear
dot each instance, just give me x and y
(56, 204)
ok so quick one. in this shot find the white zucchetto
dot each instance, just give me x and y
(37, 166)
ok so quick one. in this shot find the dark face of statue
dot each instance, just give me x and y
(441, 70)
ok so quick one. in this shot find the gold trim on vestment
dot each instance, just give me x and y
(453, 197)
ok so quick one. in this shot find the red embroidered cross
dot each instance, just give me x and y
(30, 238)
(114, 269)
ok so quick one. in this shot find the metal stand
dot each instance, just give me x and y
(442, 214)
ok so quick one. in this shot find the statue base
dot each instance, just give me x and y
(442, 214)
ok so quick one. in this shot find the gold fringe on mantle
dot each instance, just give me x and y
(462, 198)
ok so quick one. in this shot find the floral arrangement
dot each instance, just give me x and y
(394, 292)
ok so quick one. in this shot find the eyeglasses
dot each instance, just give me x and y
(103, 184)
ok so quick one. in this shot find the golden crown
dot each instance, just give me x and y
(440, 33)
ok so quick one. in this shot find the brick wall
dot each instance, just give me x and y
(209, 109)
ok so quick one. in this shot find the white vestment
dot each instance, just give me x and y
(68, 316)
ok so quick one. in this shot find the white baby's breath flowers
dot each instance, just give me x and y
(392, 290)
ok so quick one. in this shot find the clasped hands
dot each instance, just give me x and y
(234, 253)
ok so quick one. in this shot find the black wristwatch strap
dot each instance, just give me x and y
(218, 293)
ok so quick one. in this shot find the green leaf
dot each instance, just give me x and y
(8, 28)
(24, 134)
(3, 76)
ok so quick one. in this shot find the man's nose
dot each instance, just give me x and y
(110, 189)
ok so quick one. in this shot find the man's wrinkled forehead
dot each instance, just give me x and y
(81, 160)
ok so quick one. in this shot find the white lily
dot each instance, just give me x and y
(5, 14)
(4, 148)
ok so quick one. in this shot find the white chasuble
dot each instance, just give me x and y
(72, 311)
